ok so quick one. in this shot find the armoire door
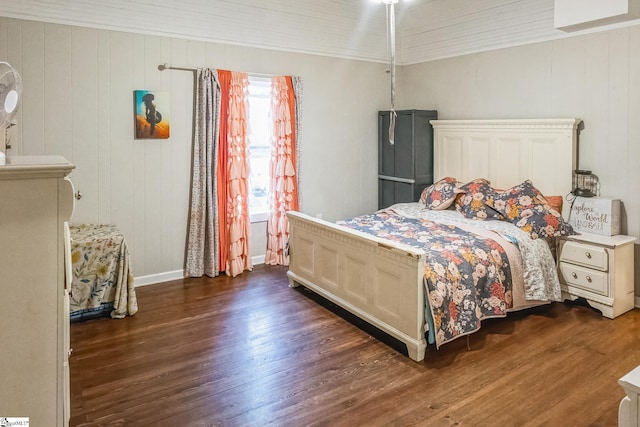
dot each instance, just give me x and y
(405, 167)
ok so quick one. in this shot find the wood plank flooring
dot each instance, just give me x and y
(250, 351)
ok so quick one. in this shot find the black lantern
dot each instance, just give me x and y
(585, 183)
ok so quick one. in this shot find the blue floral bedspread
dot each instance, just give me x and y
(467, 276)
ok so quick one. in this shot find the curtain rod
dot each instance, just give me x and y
(166, 66)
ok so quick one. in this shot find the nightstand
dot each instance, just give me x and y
(598, 269)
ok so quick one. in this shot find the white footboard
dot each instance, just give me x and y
(377, 280)
(629, 409)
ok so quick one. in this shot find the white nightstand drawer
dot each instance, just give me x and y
(587, 255)
(590, 280)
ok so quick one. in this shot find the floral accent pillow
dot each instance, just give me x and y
(440, 195)
(525, 206)
(472, 203)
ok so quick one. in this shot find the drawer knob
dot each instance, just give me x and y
(588, 255)
(575, 276)
(589, 279)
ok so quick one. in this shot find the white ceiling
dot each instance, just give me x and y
(356, 29)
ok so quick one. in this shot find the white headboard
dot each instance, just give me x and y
(507, 152)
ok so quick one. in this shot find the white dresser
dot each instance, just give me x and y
(35, 202)
(599, 269)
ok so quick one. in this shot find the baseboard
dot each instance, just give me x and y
(637, 299)
(153, 279)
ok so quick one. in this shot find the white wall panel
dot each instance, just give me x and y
(138, 148)
(181, 88)
(85, 126)
(568, 77)
(123, 164)
(595, 51)
(165, 164)
(57, 90)
(32, 71)
(518, 84)
(632, 201)
(614, 170)
(103, 131)
(4, 38)
(151, 189)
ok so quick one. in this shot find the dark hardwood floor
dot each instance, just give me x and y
(252, 351)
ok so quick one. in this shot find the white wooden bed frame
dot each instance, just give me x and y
(382, 281)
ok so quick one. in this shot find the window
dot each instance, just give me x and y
(260, 130)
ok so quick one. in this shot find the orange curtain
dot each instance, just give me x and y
(284, 187)
(237, 175)
(224, 77)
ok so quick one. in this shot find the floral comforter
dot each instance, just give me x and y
(539, 275)
(467, 275)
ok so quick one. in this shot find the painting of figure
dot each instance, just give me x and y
(151, 114)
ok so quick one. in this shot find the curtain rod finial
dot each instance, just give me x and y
(164, 66)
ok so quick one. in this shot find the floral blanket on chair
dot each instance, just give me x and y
(102, 273)
(467, 276)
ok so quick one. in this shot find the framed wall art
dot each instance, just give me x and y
(151, 114)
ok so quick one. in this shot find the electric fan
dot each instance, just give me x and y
(10, 93)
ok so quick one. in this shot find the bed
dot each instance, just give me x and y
(382, 280)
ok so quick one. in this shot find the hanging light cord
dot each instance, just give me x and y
(391, 50)
(388, 70)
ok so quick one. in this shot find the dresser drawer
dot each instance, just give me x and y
(587, 255)
(590, 280)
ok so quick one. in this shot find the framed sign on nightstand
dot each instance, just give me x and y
(596, 215)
